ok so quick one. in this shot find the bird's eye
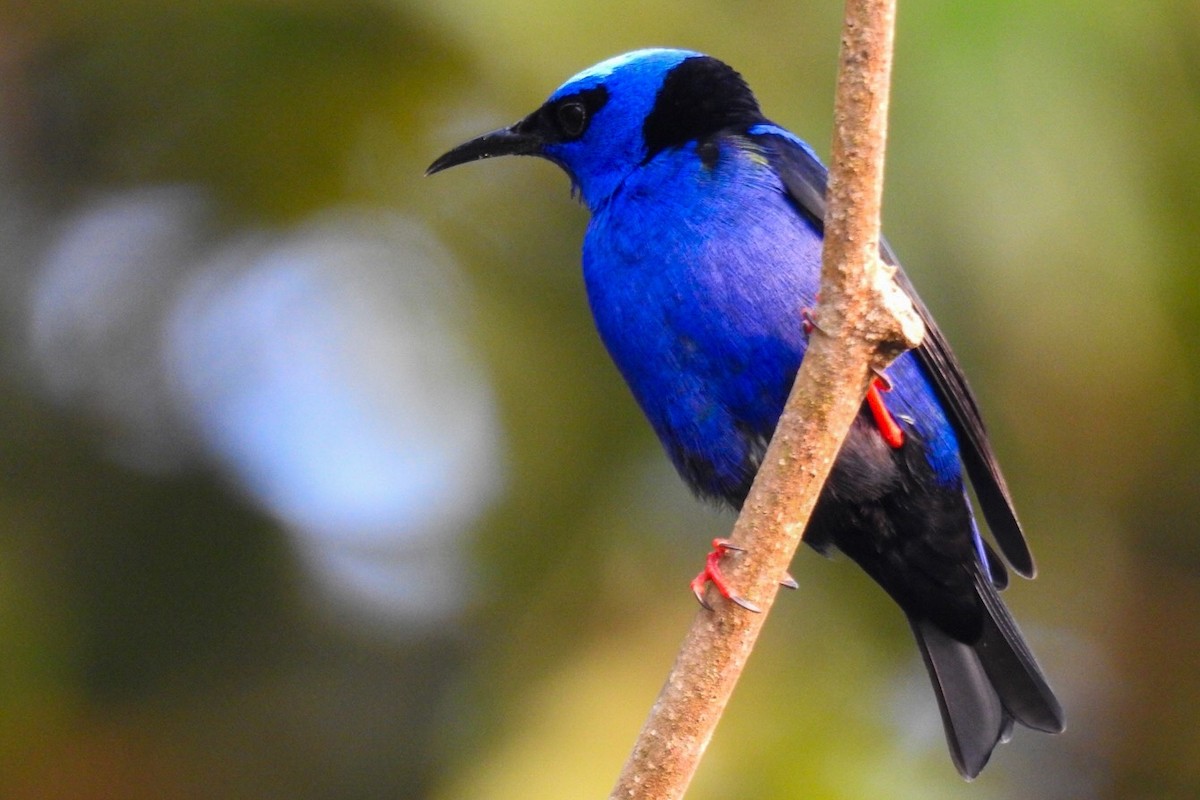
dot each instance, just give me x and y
(572, 118)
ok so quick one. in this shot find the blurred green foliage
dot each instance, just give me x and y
(157, 636)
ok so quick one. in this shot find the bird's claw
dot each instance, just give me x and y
(882, 380)
(712, 574)
(789, 582)
(746, 604)
(809, 322)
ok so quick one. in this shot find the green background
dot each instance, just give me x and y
(159, 636)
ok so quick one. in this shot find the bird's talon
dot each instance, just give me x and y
(789, 582)
(699, 584)
(746, 604)
(808, 322)
(712, 573)
(882, 381)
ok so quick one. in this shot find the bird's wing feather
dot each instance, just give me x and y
(805, 177)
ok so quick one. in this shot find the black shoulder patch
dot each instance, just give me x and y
(698, 98)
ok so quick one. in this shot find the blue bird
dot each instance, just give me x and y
(701, 257)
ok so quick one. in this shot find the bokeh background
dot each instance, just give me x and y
(315, 481)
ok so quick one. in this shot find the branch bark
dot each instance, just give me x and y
(867, 321)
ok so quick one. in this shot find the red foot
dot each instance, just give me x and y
(888, 427)
(807, 321)
(712, 572)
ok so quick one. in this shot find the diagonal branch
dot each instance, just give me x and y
(868, 322)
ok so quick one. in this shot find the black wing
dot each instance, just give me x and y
(805, 178)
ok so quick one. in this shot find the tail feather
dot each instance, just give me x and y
(982, 688)
(1012, 668)
(974, 718)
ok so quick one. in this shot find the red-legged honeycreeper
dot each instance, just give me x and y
(702, 255)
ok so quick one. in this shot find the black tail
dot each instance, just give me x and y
(982, 688)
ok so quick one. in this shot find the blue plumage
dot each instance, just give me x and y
(709, 355)
(702, 254)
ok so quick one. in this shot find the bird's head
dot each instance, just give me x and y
(614, 117)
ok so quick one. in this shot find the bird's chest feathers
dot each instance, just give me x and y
(697, 272)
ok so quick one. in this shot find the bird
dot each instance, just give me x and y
(701, 260)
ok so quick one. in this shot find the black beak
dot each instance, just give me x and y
(515, 140)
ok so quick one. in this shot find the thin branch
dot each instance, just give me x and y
(868, 322)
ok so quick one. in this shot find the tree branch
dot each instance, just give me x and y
(867, 321)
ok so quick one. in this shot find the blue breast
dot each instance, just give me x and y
(697, 274)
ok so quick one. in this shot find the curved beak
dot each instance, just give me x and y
(515, 140)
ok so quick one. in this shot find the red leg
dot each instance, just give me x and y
(712, 572)
(888, 427)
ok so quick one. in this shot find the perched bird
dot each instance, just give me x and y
(701, 257)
